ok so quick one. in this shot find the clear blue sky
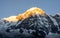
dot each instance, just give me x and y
(15, 7)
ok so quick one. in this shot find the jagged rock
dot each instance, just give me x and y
(39, 25)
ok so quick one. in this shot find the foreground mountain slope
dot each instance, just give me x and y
(34, 23)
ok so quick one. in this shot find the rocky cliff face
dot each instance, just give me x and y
(35, 26)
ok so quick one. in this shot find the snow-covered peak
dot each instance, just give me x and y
(31, 12)
(31, 24)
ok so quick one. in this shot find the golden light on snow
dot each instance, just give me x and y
(31, 12)
(36, 10)
(11, 19)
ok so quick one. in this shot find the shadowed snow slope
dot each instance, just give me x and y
(34, 23)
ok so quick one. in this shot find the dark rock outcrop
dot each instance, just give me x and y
(33, 27)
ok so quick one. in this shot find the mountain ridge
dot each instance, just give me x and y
(33, 26)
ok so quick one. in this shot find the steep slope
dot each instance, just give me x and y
(34, 23)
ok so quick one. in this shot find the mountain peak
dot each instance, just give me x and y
(31, 12)
(34, 23)
(36, 10)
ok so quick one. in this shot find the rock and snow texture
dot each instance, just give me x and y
(34, 23)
